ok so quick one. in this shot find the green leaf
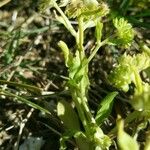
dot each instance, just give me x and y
(68, 56)
(67, 114)
(105, 107)
(29, 103)
(125, 141)
(125, 33)
(31, 88)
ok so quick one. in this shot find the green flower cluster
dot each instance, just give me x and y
(128, 69)
(122, 74)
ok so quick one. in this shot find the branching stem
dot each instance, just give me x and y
(68, 24)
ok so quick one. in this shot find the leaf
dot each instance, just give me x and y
(67, 114)
(125, 33)
(68, 56)
(105, 107)
(125, 141)
(29, 103)
(31, 88)
(60, 19)
(81, 140)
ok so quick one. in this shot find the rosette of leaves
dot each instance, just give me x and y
(124, 32)
(128, 70)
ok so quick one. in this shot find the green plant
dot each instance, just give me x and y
(88, 14)
(83, 127)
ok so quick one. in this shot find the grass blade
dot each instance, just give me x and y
(29, 103)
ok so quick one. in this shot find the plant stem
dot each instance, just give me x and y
(99, 44)
(78, 102)
(138, 81)
(67, 22)
(81, 38)
(84, 83)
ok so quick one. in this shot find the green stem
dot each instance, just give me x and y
(87, 111)
(78, 102)
(82, 92)
(67, 22)
(138, 81)
(81, 38)
(85, 62)
(99, 44)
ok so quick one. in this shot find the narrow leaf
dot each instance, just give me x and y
(31, 88)
(29, 103)
(105, 107)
